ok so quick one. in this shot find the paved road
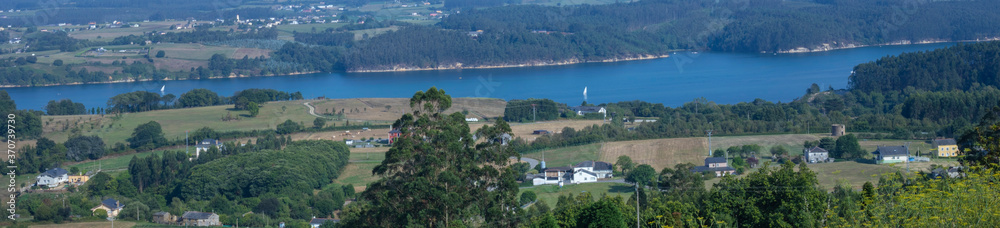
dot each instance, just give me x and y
(531, 162)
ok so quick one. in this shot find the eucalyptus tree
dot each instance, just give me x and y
(438, 174)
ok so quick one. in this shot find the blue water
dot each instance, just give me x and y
(720, 77)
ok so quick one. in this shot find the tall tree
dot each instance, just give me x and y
(436, 175)
(147, 136)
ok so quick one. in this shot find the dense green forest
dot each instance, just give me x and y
(960, 67)
(512, 34)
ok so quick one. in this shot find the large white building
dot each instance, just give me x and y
(53, 177)
(892, 154)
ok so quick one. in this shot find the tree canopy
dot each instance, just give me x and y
(436, 174)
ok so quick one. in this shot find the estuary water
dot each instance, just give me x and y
(684, 76)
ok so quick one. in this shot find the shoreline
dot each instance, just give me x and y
(146, 80)
(828, 47)
(458, 66)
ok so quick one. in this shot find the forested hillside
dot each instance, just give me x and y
(961, 67)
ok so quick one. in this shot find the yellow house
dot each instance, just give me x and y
(946, 147)
(80, 179)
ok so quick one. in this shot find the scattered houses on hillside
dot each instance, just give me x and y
(946, 147)
(891, 154)
(197, 218)
(717, 165)
(111, 206)
(52, 178)
(816, 154)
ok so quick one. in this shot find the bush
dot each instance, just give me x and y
(101, 213)
(161, 54)
(57, 62)
(288, 127)
(528, 197)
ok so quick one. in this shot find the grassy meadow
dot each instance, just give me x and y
(550, 193)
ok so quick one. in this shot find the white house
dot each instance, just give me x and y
(581, 110)
(204, 145)
(473, 119)
(111, 206)
(891, 154)
(53, 177)
(600, 169)
(816, 154)
(582, 175)
(717, 165)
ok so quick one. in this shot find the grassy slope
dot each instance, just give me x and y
(550, 193)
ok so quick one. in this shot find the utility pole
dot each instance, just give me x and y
(636, 204)
(186, 150)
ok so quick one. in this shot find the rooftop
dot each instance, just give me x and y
(892, 150)
(196, 215)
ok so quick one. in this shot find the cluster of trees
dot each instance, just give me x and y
(27, 123)
(59, 40)
(328, 38)
(297, 169)
(531, 110)
(65, 107)
(844, 147)
(47, 154)
(140, 101)
(244, 97)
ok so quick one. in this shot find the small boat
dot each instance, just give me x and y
(162, 88)
(585, 91)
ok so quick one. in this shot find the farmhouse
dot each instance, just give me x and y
(393, 134)
(717, 165)
(53, 177)
(816, 154)
(204, 145)
(891, 154)
(541, 132)
(946, 147)
(583, 172)
(197, 218)
(110, 205)
(581, 175)
(78, 179)
(581, 110)
(554, 175)
(601, 169)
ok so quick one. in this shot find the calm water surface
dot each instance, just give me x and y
(683, 77)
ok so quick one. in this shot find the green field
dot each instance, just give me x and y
(550, 193)
(567, 156)
(175, 121)
(358, 174)
(117, 163)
